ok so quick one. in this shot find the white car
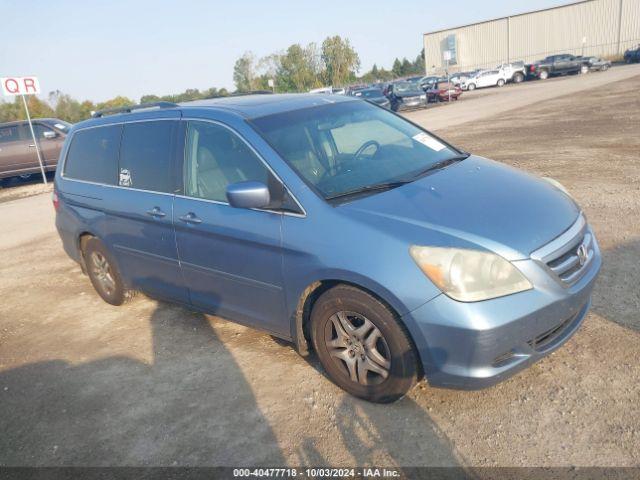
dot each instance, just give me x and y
(485, 78)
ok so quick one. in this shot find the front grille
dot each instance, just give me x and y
(546, 339)
(569, 266)
(568, 257)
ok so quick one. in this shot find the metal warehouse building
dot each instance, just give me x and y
(603, 28)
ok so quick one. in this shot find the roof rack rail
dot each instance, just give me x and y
(130, 108)
(250, 92)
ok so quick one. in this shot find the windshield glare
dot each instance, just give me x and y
(406, 87)
(342, 147)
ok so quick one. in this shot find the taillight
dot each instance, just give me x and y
(532, 68)
(55, 200)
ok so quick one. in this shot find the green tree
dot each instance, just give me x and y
(115, 102)
(298, 69)
(397, 67)
(407, 67)
(244, 72)
(11, 111)
(341, 61)
(418, 64)
(69, 109)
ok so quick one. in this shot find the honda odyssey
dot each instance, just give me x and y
(336, 225)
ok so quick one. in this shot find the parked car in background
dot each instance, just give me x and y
(484, 78)
(428, 81)
(514, 72)
(373, 95)
(597, 63)
(18, 155)
(406, 95)
(443, 92)
(558, 65)
(459, 77)
(334, 225)
(632, 55)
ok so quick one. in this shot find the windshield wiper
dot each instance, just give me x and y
(370, 188)
(441, 164)
(398, 183)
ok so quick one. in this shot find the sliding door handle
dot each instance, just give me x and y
(156, 212)
(190, 218)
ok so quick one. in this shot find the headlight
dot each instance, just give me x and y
(469, 275)
(423, 96)
(558, 185)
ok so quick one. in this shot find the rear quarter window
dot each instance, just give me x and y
(9, 134)
(93, 155)
(146, 154)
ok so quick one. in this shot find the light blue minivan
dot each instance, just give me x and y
(334, 224)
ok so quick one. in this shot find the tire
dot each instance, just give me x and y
(471, 87)
(500, 82)
(543, 75)
(25, 176)
(104, 273)
(362, 346)
(605, 68)
(518, 78)
(584, 69)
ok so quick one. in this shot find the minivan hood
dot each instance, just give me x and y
(478, 201)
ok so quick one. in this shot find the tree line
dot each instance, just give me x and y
(300, 68)
(297, 69)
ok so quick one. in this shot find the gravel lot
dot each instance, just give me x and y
(84, 383)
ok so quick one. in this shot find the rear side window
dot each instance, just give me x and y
(145, 156)
(9, 134)
(93, 155)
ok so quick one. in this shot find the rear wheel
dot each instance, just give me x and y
(584, 69)
(543, 75)
(104, 274)
(605, 68)
(362, 346)
(518, 77)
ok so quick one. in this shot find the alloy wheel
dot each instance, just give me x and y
(358, 347)
(102, 272)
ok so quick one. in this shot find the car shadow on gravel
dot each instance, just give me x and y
(120, 411)
(402, 431)
(617, 293)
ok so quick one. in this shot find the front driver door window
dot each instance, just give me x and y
(231, 258)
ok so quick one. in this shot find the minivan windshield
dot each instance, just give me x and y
(352, 147)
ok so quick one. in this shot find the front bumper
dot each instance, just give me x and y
(476, 345)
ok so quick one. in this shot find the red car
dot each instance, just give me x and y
(441, 92)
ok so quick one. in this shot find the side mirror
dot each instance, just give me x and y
(48, 134)
(248, 195)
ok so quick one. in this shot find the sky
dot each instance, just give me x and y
(96, 50)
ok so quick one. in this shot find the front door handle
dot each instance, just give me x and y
(156, 212)
(190, 218)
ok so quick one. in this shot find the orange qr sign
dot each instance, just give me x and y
(20, 85)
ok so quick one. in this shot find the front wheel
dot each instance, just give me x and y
(471, 87)
(500, 82)
(362, 346)
(584, 69)
(543, 75)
